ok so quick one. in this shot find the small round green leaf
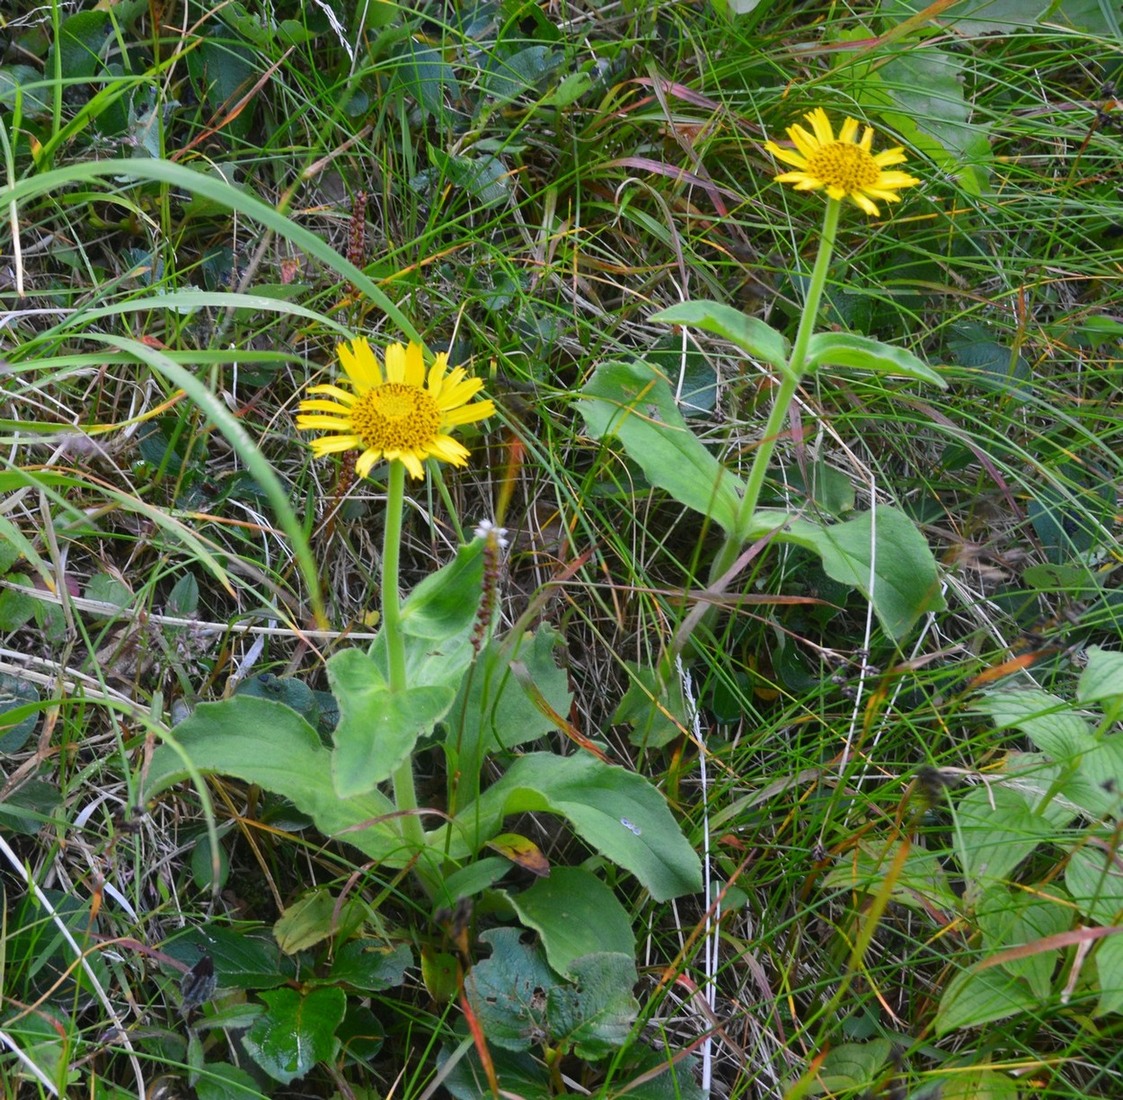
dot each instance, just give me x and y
(295, 1031)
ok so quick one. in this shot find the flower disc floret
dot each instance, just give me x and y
(843, 167)
(397, 411)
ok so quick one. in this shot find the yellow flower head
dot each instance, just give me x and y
(400, 413)
(845, 168)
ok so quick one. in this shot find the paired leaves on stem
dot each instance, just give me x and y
(880, 553)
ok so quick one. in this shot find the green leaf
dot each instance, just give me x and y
(210, 867)
(223, 72)
(284, 689)
(25, 85)
(883, 547)
(919, 92)
(371, 966)
(692, 368)
(506, 991)
(521, 1075)
(615, 811)
(494, 711)
(845, 349)
(752, 335)
(82, 38)
(661, 1074)
(571, 89)
(982, 996)
(976, 17)
(994, 831)
(1049, 721)
(296, 1030)
(920, 883)
(1095, 785)
(445, 602)
(16, 607)
(19, 712)
(257, 740)
(306, 922)
(223, 1081)
(653, 706)
(520, 1003)
(377, 727)
(424, 74)
(1095, 881)
(1073, 518)
(361, 1036)
(473, 879)
(29, 807)
(633, 403)
(831, 490)
(249, 26)
(104, 588)
(854, 1065)
(977, 1083)
(438, 620)
(264, 742)
(14, 544)
(1090, 765)
(242, 959)
(183, 599)
(1108, 958)
(521, 72)
(1013, 918)
(996, 367)
(594, 1015)
(575, 914)
(1102, 677)
(483, 176)
(44, 1040)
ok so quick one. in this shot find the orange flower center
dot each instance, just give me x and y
(396, 417)
(843, 164)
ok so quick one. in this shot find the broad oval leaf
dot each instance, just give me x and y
(981, 997)
(306, 922)
(994, 831)
(267, 743)
(1015, 919)
(615, 811)
(594, 1016)
(521, 1004)
(296, 1030)
(1109, 967)
(1095, 882)
(1102, 678)
(880, 553)
(575, 914)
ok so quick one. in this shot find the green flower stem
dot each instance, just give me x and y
(781, 405)
(391, 597)
(405, 794)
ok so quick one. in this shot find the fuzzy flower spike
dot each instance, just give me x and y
(843, 167)
(397, 412)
